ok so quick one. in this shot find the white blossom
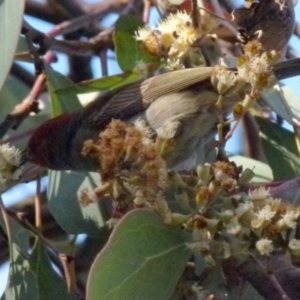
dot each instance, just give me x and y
(294, 244)
(243, 208)
(143, 33)
(233, 227)
(266, 213)
(226, 77)
(288, 220)
(10, 170)
(9, 155)
(264, 246)
(259, 193)
(259, 65)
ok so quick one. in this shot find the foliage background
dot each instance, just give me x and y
(78, 68)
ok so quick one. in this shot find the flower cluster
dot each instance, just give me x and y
(211, 203)
(231, 222)
(223, 79)
(10, 158)
(254, 73)
(255, 67)
(132, 169)
(174, 36)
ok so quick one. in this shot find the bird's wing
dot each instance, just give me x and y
(134, 98)
(116, 104)
(172, 82)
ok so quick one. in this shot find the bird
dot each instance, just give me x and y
(182, 100)
(172, 99)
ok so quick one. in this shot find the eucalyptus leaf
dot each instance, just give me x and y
(129, 51)
(143, 260)
(22, 45)
(100, 84)
(283, 101)
(213, 282)
(280, 149)
(51, 285)
(67, 102)
(22, 282)
(251, 293)
(63, 193)
(11, 12)
(22, 52)
(12, 93)
(244, 292)
(18, 234)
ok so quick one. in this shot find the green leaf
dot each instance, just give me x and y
(129, 52)
(22, 283)
(251, 293)
(63, 194)
(283, 101)
(280, 149)
(143, 259)
(66, 102)
(263, 172)
(22, 52)
(19, 235)
(22, 45)
(100, 84)
(11, 13)
(11, 94)
(51, 285)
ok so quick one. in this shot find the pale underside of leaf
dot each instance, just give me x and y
(11, 12)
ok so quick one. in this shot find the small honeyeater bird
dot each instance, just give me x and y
(181, 102)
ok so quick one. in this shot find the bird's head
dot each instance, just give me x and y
(47, 145)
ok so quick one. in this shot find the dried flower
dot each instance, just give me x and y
(87, 197)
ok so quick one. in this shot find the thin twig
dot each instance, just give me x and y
(219, 13)
(68, 267)
(6, 221)
(38, 204)
(196, 14)
(22, 110)
(252, 142)
(147, 7)
(103, 61)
